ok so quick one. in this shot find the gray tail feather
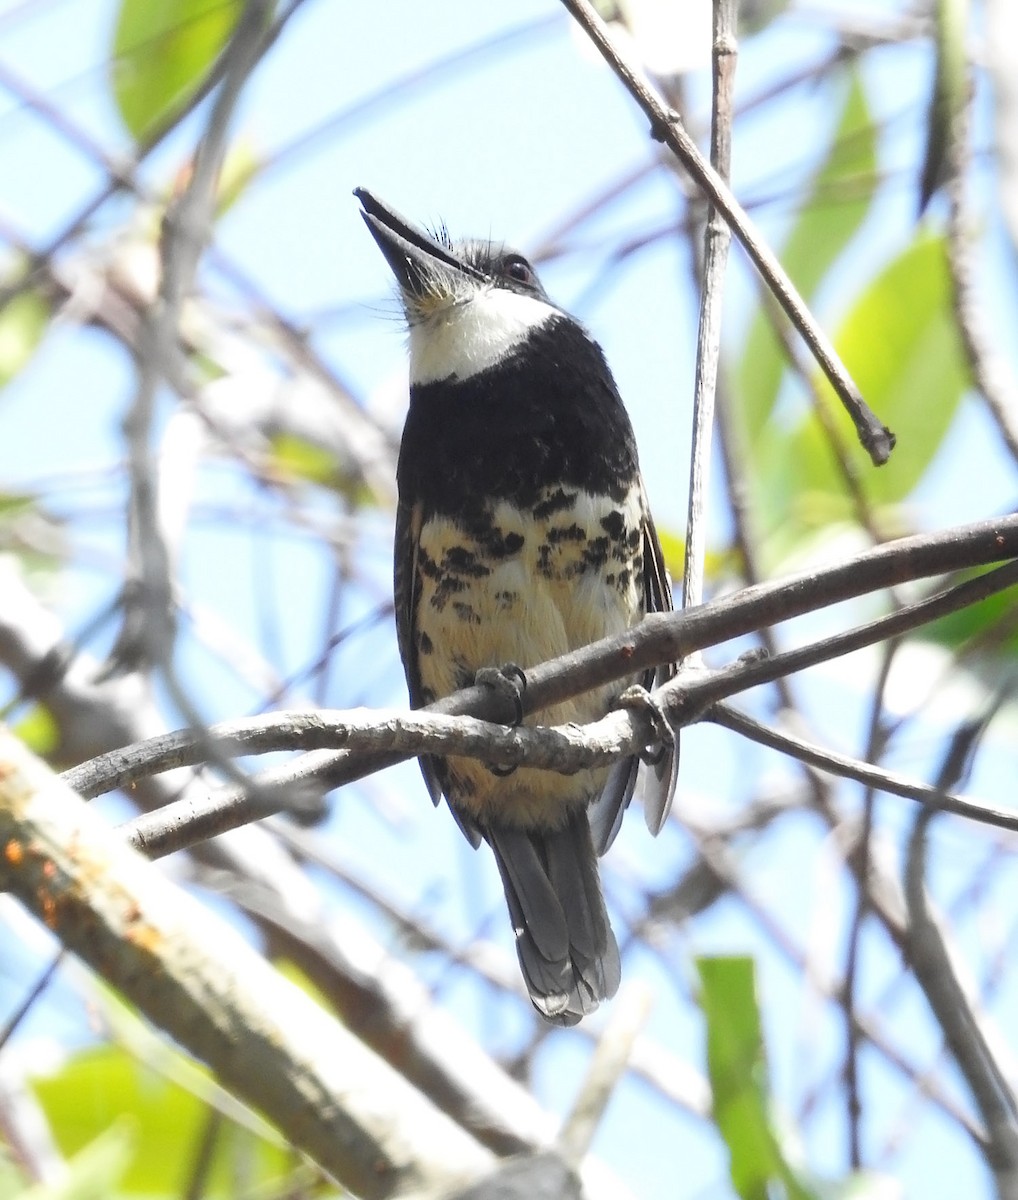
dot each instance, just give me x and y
(566, 947)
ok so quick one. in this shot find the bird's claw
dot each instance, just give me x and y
(639, 699)
(510, 682)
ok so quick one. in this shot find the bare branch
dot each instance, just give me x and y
(610, 1062)
(429, 730)
(991, 372)
(875, 437)
(877, 777)
(195, 977)
(708, 342)
(963, 1029)
(149, 610)
(382, 1001)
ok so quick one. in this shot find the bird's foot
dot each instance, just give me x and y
(510, 682)
(639, 699)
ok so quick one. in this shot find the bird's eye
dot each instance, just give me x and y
(516, 267)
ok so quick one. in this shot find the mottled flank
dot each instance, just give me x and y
(566, 533)
(461, 561)
(557, 500)
(520, 586)
(595, 552)
(614, 525)
(466, 612)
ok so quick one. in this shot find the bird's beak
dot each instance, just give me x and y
(417, 260)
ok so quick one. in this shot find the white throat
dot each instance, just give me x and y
(469, 337)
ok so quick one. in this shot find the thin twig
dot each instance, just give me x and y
(149, 621)
(677, 1082)
(37, 989)
(195, 977)
(991, 372)
(726, 864)
(875, 742)
(963, 1030)
(124, 175)
(875, 437)
(838, 444)
(931, 798)
(609, 1063)
(708, 343)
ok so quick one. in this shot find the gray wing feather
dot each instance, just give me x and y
(607, 811)
(659, 788)
(404, 588)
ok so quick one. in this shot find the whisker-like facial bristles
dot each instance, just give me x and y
(440, 288)
(440, 233)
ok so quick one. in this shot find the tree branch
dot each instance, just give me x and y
(876, 777)
(708, 342)
(874, 436)
(385, 735)
(196, 978)
(963, 1030)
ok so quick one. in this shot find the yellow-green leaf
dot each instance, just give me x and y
(99, 1086)
(240, 166)
(162, 53)
(23, 321)
(95, 1170)
(39, 731)
(673, 547)
(900, 343)
(738, 1077)
(831, 214)
(301, 459)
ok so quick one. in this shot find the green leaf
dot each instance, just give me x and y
(832, 212)
(95, 1170)
(991, 625)
(298, 458)
(162, 53)
(900, 343)
(738, 1075)
(673, 547)
(99, 1086)
(23, 321)
(240, 166)
(39, 730)
(949, 99)
(295, 457)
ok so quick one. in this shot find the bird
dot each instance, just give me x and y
(523, 531)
